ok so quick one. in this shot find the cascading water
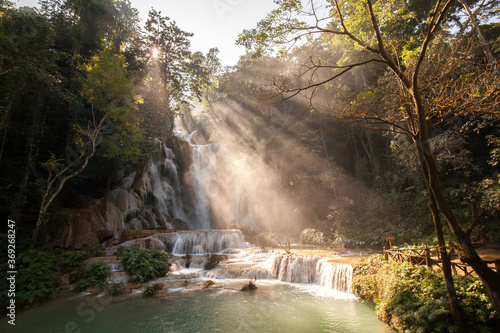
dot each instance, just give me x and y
(202, 241)
(201, 174)
(165, 186)
(287, 268)
(214, 186)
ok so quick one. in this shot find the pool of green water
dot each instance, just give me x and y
(273, 307)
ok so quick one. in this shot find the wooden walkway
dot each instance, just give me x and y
(431, 256)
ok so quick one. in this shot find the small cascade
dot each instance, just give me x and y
(312, 269)
(202, 241)
(287, 268)
(335, 276)
(117, 271)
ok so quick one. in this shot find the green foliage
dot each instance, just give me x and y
(94, 275)
(144, 265)
(212, 260)
(115, 288)
(38, 274)
(64, 68)
(151, 291)
(414, 298)
(489, 188)
(96, 251)
(37, 277)
(109, 87)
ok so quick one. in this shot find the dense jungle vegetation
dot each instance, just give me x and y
(413, 298)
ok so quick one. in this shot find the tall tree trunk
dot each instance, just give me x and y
(489, 55)
(455, 309)
(58, 179)
(490, 278)
(456, 312)
(39, 222)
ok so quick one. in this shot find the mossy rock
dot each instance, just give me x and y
(208, 283)
(129, 234)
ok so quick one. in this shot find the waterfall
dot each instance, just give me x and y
(202, 241)
(201, 175)
(218, 195)
(335, 276)
(213, 191)
(312, 269)
(166, 186)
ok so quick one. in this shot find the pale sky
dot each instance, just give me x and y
(214, 23)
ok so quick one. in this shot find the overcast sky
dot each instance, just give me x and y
(214, 23)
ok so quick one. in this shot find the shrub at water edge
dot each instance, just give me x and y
(144, 265)
(115, 288)
(38, 273)
(93, 276)
(414, 299)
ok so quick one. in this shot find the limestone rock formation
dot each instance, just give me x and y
(156, 206)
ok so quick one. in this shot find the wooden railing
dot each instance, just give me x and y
(418, 256)
(431, 256)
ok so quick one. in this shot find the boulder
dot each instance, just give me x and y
(83, 241)
(179, 224)
(77, 231)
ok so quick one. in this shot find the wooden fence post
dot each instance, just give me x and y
(385, 255)
(427, 256)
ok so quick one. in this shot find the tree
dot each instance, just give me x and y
(112, 120)
(369, 27)
(491, 59)
(30, 82)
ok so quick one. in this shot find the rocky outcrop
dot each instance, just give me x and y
(157, 205)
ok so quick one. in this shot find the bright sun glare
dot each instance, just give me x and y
(155, 52)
